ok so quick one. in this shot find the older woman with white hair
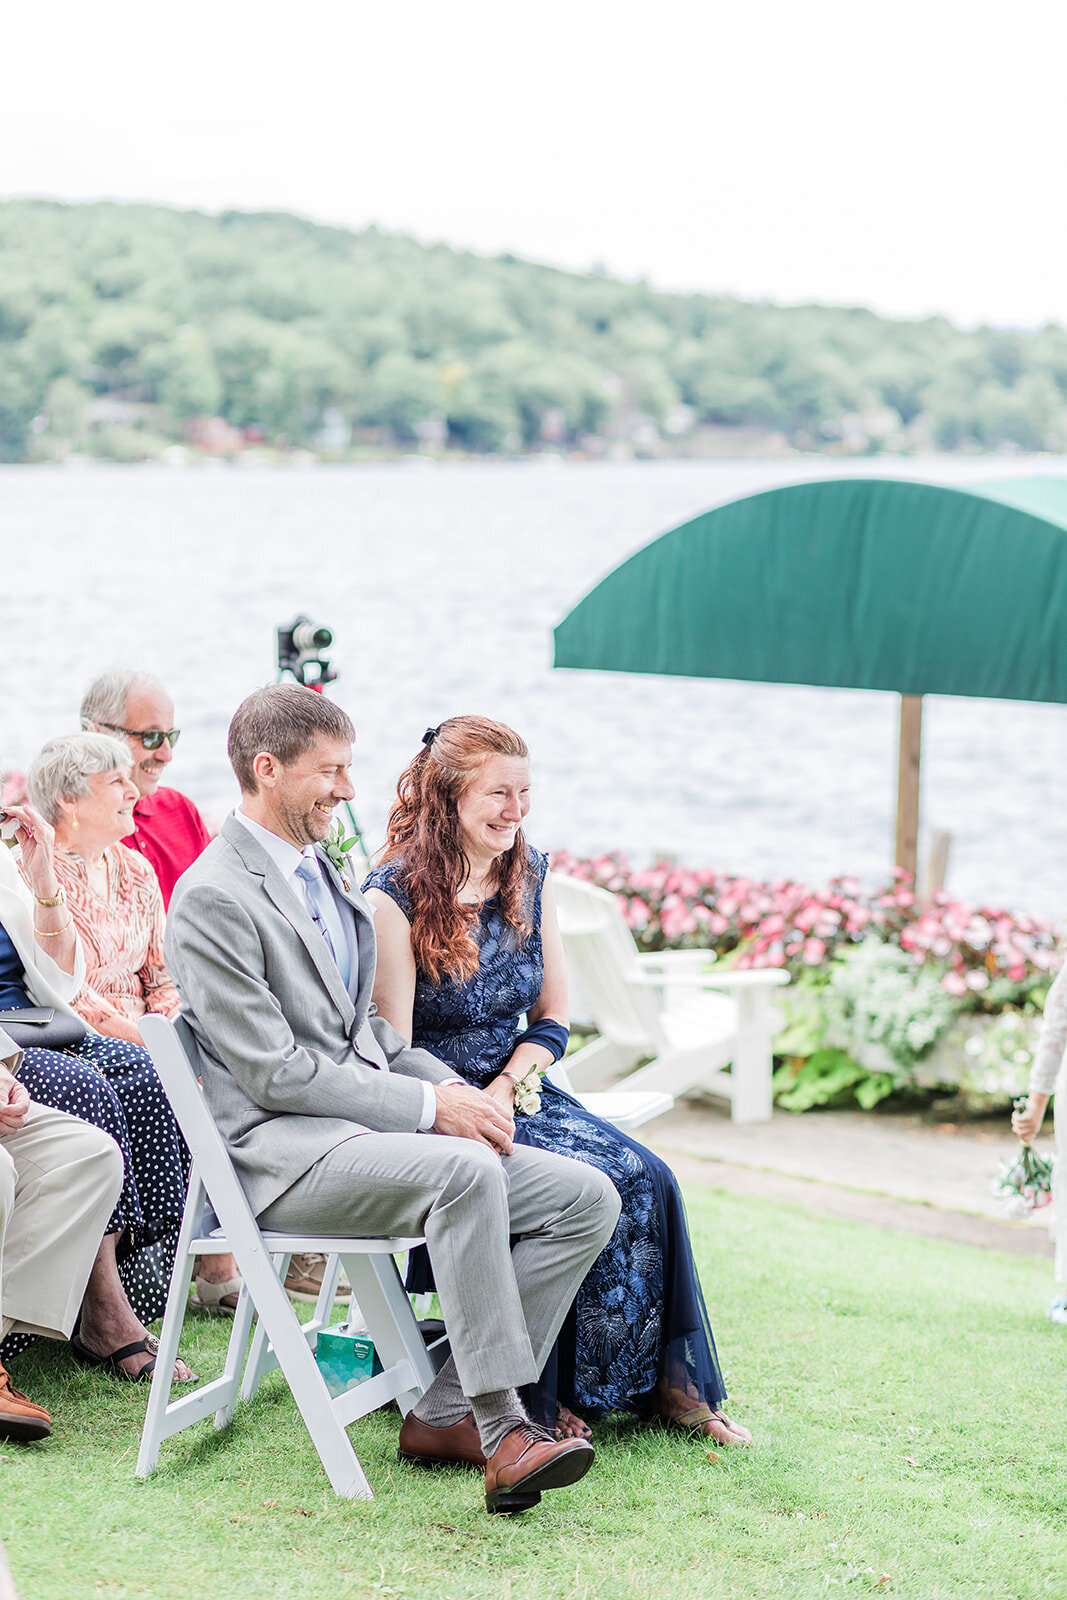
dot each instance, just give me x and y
(80, 783)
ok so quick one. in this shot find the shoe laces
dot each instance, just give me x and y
(533, 1433)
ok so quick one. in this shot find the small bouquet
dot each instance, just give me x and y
(1024, 1184)
(528, 1093)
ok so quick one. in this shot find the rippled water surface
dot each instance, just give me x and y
(442, 586)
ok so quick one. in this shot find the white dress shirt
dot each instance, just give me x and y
(287, 858)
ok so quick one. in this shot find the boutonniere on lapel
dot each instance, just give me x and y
(337, 847)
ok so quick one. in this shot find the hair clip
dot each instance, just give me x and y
(429, 736)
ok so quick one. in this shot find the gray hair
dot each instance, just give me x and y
(285, 720)
(63, 768)
(105, 699)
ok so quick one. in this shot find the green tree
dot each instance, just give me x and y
(399, 394)
(189, 384)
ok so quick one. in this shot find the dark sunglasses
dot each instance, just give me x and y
(151, 738)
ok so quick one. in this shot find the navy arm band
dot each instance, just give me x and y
(550, 1035)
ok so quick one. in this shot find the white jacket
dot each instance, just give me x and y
(46, 982)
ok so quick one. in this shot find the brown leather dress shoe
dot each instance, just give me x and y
(426, 1446)
(20, 1419)
(529, 1461)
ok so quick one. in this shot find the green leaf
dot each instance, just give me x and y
(877, 1087)
(825, 1077)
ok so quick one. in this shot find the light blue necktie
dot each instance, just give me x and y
(324, 914)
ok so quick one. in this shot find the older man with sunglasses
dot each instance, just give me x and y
(169, 831)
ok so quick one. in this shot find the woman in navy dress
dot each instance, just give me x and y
(468, 944)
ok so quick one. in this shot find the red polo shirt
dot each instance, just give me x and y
(170, 833)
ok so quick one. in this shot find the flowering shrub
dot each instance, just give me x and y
(878, 1008)
(888, 992)
(986, 1058)
(984, 956)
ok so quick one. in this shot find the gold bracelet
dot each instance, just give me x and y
(59, 899)
(41, 934)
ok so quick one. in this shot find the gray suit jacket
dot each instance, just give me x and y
(291, 1067)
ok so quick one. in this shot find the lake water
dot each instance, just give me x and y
(442, 585)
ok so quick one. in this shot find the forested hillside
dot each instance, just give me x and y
(126, 329)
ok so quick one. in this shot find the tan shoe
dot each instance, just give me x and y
(426, 1446)
(304, 1279)
(528, 1461)
(20, 1419)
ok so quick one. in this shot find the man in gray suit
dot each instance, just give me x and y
(337, 1125)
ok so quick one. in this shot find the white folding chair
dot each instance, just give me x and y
(694, 1022)
(218, 1220)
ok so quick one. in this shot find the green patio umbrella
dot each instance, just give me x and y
(858, 583)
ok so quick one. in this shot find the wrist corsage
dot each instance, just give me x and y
(528, 1093)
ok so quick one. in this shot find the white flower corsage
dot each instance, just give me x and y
(528, 1093)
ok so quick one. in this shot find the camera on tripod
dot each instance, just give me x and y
(302, 647)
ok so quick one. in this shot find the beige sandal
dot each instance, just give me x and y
(209, 1297)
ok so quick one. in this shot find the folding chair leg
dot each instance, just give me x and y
(308, 1386)
(161, 1418)
(331, 1277)
(235, 1356)
(260, 1361)
(153, 1432)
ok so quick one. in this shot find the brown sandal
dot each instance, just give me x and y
(701, 1422)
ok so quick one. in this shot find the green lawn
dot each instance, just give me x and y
(907, 1398)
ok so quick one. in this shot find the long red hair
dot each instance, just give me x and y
(424, 836)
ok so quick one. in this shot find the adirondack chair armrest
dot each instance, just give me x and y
(661, 975)
(682, 959)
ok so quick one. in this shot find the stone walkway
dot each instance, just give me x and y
(892, 1169)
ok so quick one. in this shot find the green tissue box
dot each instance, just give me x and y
(345, 1359)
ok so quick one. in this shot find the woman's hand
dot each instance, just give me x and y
(1027, 1123)
(502, 1090)
(38, 841)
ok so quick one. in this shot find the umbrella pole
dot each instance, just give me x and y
(911, 727)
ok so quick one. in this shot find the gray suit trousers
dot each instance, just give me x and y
(510, 1239)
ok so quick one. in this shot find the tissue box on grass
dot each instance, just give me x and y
(345, 1359)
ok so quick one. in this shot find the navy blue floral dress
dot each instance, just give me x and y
(639, 1315)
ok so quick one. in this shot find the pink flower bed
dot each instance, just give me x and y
(787, 924)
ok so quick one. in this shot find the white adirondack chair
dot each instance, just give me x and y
(623, 1107)
(693, 1020)
(218, 1220)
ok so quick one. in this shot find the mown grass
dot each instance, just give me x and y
(907, 1397)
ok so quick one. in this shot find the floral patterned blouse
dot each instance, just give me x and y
(122, 936)
(1052, 1045)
